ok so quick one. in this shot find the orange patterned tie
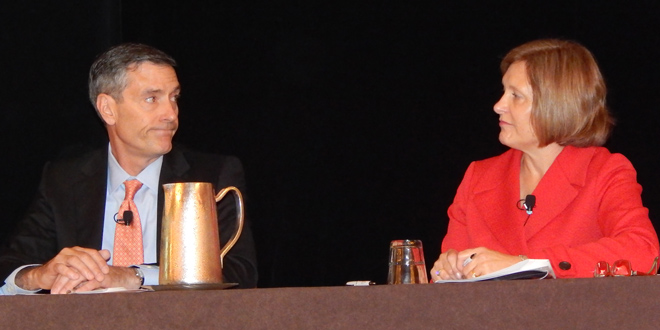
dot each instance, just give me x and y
(128, 238)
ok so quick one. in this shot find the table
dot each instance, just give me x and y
(630, 302)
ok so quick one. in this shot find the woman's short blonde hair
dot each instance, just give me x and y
(569, 92)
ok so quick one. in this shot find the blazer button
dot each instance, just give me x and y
(564, 265)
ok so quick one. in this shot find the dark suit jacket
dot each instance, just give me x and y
(70, 204)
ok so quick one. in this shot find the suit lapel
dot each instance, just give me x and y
(496, 195)
(89, 199)
(558, 187)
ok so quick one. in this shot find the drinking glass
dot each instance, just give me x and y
(406, 262)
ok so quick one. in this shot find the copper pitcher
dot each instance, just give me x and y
(190, 242)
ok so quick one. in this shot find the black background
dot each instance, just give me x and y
(355, 120)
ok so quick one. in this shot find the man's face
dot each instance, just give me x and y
(146, 118)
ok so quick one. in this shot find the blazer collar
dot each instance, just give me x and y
(498, 191)
(558, 187)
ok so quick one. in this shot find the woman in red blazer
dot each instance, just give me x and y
(588, 204)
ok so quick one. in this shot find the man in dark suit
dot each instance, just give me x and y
(65, 242)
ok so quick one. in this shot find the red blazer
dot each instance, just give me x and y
(588, 209)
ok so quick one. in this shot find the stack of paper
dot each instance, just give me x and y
(526, 269)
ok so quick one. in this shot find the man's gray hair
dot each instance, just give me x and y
(108, 73)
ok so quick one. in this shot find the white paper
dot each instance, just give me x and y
(542, 265)
(111, 290)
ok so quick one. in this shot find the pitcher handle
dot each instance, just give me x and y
(239, 219)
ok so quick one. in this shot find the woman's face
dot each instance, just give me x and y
(515, 109)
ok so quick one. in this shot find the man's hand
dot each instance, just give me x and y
(116, 277)
(74, 264)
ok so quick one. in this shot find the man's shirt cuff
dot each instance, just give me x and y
(150, 272)
(10, 288)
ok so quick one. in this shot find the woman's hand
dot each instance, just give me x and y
(485, 261)
(445, 268)
(470, 263)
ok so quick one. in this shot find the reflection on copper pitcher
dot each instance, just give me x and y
(190, 242)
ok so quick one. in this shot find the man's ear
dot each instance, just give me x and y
(106, 106)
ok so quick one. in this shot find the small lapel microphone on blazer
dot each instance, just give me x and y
(530, 202)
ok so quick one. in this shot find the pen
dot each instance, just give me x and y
(360, 283)
(469, 259)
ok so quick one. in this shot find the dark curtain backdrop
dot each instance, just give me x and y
(355, 120)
